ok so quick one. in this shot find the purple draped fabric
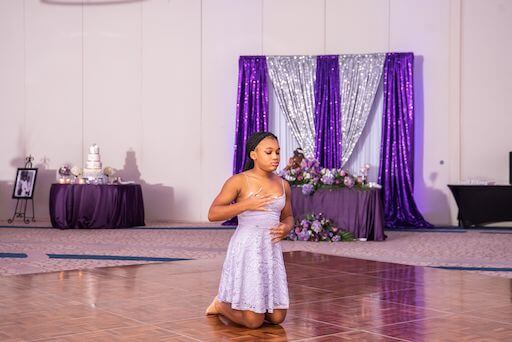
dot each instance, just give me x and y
(396, 169)
(251, 108)
(96, 206)
(327, 112)
(251, 105)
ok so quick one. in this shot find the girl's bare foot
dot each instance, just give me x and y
(212, 309)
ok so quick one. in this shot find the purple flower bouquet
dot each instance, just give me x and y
(316, 227)
(310, 176)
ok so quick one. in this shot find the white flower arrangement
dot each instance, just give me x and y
(76, 171)
(108, 171)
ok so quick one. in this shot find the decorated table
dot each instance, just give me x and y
(480, 204)
(96, 205)
(357, 211)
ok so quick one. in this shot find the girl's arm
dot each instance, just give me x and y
(223, 208)
(286, 225)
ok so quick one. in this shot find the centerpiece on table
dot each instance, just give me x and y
(64, 174)
(310, 176)
(93, 173)
(93, 166)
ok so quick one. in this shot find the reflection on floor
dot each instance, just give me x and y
(332, 299)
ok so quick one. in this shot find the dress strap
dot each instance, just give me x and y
(282, 183)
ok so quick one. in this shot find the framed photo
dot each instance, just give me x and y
(25, 183)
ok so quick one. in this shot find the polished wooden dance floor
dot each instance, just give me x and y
(332, 299)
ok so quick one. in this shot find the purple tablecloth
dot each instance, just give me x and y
(357, 211)
(96, 206)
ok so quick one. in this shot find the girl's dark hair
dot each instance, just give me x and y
(251, 144)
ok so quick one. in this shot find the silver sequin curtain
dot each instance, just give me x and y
(359, 80)
(293, 78)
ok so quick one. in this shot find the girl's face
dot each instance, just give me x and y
(266, 154)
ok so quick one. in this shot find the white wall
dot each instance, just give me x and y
(486, 74)
(154, 84)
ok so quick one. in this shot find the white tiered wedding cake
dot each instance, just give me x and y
(93, 164)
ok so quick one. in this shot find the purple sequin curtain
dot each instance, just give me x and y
(251, 105)
(396, 169)
(327, 112)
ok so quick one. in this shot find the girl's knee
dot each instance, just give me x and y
(253, 320)
(277, 317)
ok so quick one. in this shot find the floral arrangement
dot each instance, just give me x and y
(311, 177)
(76, 171)
(108, 171)
(316, 227)
(64, 171)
